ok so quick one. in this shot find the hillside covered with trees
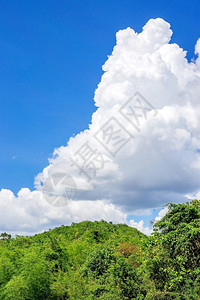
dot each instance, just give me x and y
(100, 260)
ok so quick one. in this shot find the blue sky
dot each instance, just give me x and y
(51, 53)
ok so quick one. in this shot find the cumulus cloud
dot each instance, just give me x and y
(140, 226)
(141, 148)
(29, 212)
(197, 51)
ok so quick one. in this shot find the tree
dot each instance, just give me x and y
(5, 236)
(174, 255)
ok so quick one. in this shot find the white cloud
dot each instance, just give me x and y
(29, 213)
(197, 196)
(161, 214)
(197, 51)
(194, 196)
(140, 226)
(160, 164)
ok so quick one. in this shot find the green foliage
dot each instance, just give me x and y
(99, 260)
(5, 236)
(174, 252)
(16, 289)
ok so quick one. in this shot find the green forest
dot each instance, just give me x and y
(100, 260)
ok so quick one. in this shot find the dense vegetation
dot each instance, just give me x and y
(99, 260)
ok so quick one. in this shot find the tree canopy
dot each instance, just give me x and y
(100, 260)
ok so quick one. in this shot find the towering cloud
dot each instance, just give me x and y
(141, 149)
